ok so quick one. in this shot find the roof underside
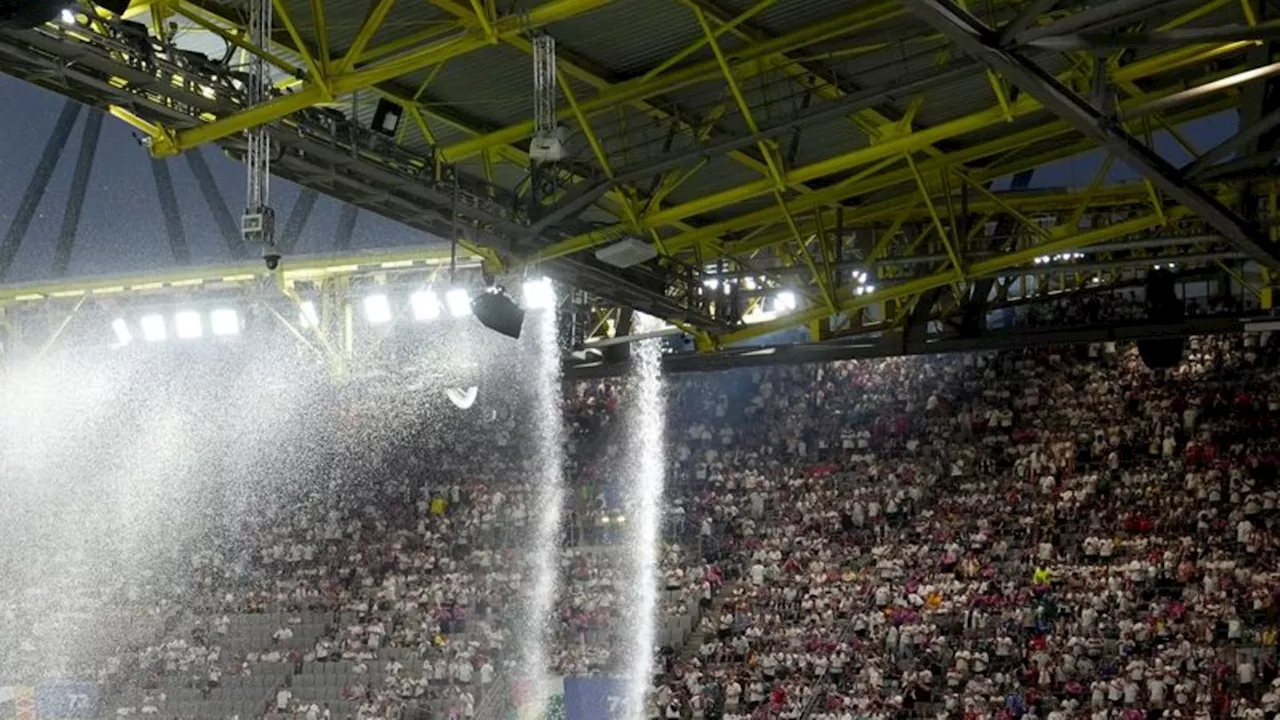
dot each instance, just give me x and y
(833, 132)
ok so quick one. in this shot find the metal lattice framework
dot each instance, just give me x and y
(869, 161)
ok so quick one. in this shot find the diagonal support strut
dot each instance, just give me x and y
(978, 40)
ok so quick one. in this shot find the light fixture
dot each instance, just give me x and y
(458, 301)
(539, 294)
(711, 283)
(67, 16)
(749, 283)
(307, 314)
(153, 329)
(224, 322)
(870, 288)
(377, 310)
(123, 336)
(188, 324)
(425, 305)
(786, 301)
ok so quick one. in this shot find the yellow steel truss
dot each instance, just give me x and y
(902, 176)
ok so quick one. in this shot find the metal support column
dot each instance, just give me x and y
(79, 188)
(345, 227)
(217, 204)
(297, 220)
(39, 183)
(169, 208)
(976, 39)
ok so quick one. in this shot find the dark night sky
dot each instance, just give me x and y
(122, 230)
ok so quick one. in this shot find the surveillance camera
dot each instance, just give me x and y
(271, 257)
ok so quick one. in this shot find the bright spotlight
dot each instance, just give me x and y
(870, 289)
(539, 294)
(786, 301)
(377, 309)
(123, 336)
(67, 16)
(153, 329)
(307, 314)
(224, 322)
(188, 324)
(425, 305)
(459, 302)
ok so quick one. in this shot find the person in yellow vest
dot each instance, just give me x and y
(1041, 577)
(438, 506)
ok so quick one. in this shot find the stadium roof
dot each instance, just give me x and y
(862, 159)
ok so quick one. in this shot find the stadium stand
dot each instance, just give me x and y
(1043, 533)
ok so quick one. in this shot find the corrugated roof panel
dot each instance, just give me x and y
(628, 37)
(785, 15)
(493, 85)
(406, 18)
(967, 95)
(719, 174)
(825, 140)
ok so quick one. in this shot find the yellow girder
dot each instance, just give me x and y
(348, 80)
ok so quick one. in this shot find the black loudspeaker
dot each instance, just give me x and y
(499, 313)
(1164, 307)
(26, 14)
(386, 117)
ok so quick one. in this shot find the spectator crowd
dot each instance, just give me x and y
(1056, 534)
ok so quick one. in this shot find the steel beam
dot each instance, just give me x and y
(891, 148)
(169, 208)
(217, 204)
(578, 69)
(976, 39)
(1092, 17)
(343, 231)
(79, 188)
(1167, 38)
(847, 104)
(859, 18)
(34, 193)
(297, 220)
(340, 84)
(849, 301)
(1026, 18)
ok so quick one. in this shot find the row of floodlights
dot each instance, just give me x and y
(426, 305)
(1061, 257)
(186, 325)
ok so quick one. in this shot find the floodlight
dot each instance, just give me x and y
(786, 301)
(425, 304)
(307, 314)
(376, 309)
(224, 322)
(458, 301)
(153, 328)
(188, 324)
(123, 336)
(68, 17)
(539, 294)
(870, 289)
